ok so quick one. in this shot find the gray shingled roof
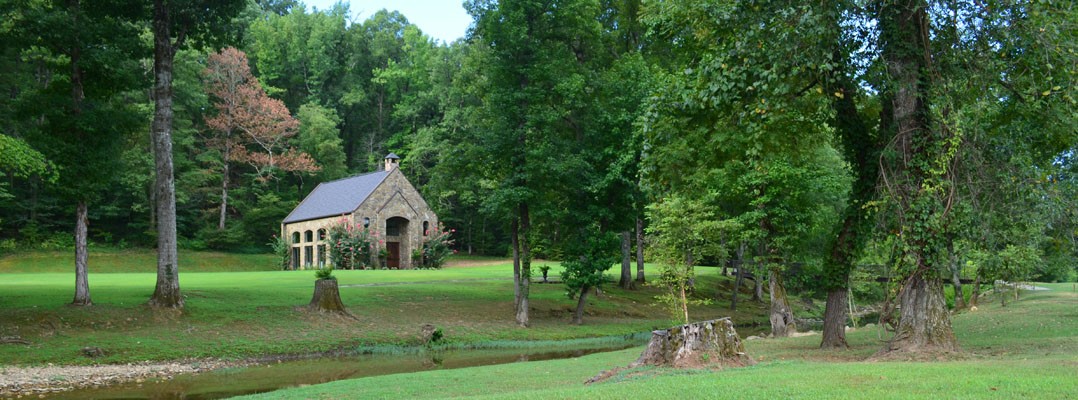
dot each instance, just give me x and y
(336, 197)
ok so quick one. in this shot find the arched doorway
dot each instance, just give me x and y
(397, 246)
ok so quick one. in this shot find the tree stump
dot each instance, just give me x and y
(695, 345)
(327, 297)
(712, 343)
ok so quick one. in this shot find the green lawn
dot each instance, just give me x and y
(109, 260)
(247, 314)
(1027, 350)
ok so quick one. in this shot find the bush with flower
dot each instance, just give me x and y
(350, 245)
(436, 244)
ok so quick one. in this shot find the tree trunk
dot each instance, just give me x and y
(834, 320)
(224, 192)
(758, 281)
(82, 283)
(782, 316)
(739, 277)
(514, 238)
(578, 315)
(626, 281)
(167, 291)
(327, 297)
(924, 323)
(976, 291)
(959, 296)
(640, 250)
(525, 266)
(956, 276)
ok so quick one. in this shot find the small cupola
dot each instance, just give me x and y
(391, 161)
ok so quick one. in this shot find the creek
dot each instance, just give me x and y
(272, 376)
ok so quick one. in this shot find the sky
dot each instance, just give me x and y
(443, 20)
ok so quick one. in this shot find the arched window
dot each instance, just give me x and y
(426, 228)
(321, 234)
(308, 236)
(396, 226)
(295, 237)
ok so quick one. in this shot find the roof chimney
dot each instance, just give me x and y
(391, 161)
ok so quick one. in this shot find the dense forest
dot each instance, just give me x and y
(934, 138)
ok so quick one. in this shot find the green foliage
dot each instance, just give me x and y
(318, 136)
(324, 273)
(592, 253)
(19, 159)
(682, 230)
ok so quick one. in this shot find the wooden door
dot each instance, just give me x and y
(393, 259)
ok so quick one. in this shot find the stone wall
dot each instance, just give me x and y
(302, 227)
(396, 197)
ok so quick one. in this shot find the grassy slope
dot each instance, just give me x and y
(245, 314)
(1027, 350)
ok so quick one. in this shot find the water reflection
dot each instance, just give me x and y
(265, 378)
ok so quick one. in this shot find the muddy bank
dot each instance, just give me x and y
(16, 381)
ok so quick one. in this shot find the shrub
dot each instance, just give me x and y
(280, 248)
(325, 273)
(350, 245)
(436, 244)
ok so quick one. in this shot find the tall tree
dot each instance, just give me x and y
(86, 117)
(249, 126)
(173, 24)
(532, 63)
(860, 145)
(736, 121)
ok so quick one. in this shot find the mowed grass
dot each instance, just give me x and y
(110, 260)
(1028, 349)
(258, 313)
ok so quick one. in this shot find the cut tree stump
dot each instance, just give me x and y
(712, 343)
(327, 298)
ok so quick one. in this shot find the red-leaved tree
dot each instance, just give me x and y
(249, 126)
